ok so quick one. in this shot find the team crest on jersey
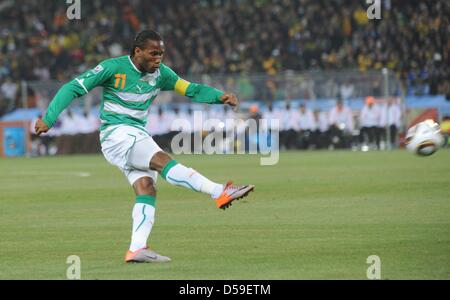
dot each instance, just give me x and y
(151, 78)
(97, 69)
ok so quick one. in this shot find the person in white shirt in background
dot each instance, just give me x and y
(390, 122)
(320, 133)
(158, 125)
(88, 123)
(340, 125)
(214, 118)
(69, 123)
(183, 126)
(169, 118)
(86, 140)
(394, 121)
(9, 90)
(369, 122)
(183, 115)
(272, 124)
(252, 132)
(291, 132)
(195, 124)
(306, 121)
(306, 125)
(271, 113)
(67, 142)
(213, 112)
(229, 118)
(383, 119)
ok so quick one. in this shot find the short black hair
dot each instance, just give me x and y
(142, 37)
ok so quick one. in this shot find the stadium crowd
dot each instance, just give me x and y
(38, 42)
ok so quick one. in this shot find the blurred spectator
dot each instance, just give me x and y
(69, 128)
(320, 138)
(252, 131)
(158, 125)
(383, 123)
(289, 135)
(306, 125)
(228, 117)
(306, 119)
(369, 123)
(9, 91)
(341, 125)
(70, 123)
(88, 123)
(394, 121)
(273, 114)
(37, 41)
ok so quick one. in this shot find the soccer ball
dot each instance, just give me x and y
(424, 138)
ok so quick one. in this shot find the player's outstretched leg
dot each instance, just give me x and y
(143, 218)
(177, 174)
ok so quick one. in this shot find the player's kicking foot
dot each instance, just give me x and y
(145, 255)
(232, 192)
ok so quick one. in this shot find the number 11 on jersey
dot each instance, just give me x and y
(120, 78)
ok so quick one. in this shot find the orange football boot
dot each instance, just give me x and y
(232, 192)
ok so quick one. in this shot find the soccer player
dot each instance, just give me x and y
(130, 84)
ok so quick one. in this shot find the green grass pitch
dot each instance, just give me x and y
(314, 215)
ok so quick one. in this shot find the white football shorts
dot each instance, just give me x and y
(130, 149)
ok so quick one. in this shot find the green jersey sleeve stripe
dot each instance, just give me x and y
(81, 83)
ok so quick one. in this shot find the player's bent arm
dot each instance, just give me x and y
(66, 94)
(78, 87)
(200, 93)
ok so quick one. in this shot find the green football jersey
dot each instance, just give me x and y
(127, 92)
